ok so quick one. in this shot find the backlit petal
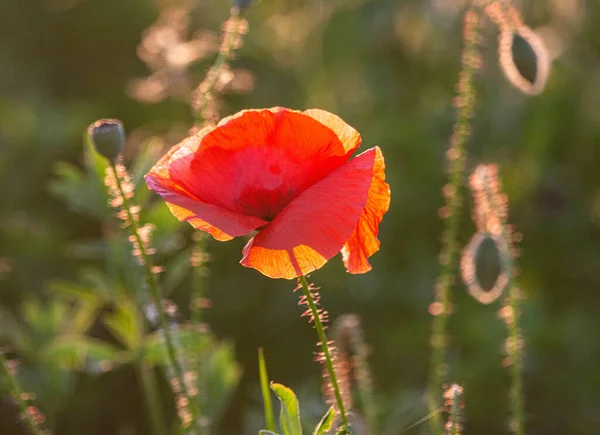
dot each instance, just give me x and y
(221, 223)
(363, 242)
(256, 162)
(316, 225)
(348, 136)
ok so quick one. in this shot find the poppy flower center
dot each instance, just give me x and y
(265, 203)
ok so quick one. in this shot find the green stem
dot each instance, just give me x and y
(197, 279)
(155, 291)
(328, 361)
(220, 61)
(449, 254)
(18, 394)
(516, 389)
(455, 411)
(154, 408)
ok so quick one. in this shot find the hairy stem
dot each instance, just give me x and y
(324, 346)
(225, 53)
(155, 291)
(18, 395)
(515, 349)
(456, 157)
(516, 390)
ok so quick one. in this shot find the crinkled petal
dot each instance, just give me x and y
(256, 162)
(316, 225)
(221, 223)
(363, 242)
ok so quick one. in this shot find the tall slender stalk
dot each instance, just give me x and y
(197, 261)
(233, 29)
(454, 404)
(511, 311)
(456, 156)
(18, 395)
(316, 315)
(152, 397)
(155, 292)
(517, 425)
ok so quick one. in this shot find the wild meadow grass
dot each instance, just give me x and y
(147, 254)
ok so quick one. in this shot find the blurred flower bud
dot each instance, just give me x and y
(242, 5)
(108, 137)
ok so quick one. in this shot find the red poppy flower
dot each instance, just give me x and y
(287, 174)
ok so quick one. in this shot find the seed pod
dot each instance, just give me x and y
(483, 269)
(108, 137)
(242, 5)
(524, 59)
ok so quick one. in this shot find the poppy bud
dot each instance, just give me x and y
(108, 137)
(242, 4)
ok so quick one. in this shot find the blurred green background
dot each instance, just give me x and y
(387, 67)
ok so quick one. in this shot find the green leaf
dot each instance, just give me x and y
(85, 192)
(125, 325)
(266, 393)
(10, 329)
(186, 340)
(289, 418)
(73, 290)
(221, 374)
(266, 432)
(81, 353)
(326, 422)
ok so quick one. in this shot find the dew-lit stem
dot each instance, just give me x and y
(456, 157)
(18, 394)
(455, 416)
(516, 425)
(225, 53)
(155, 291)
(328, 361)
(516, 389)
(453, 397)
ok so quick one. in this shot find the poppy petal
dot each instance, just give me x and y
(348, 136)
(256, 162)
(221, 223)
(315, 226)
(363, 242)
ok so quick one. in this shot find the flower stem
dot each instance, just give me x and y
(198, 268)
(148, 380)
(155, 291)
(457, 157)
(226, 51)
(515, 349)
(516, 389)
(18, 395)
(324, 346)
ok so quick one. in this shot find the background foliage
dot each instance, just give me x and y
(388, 67)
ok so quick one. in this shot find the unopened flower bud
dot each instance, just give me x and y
(108, 137)
(242, 5)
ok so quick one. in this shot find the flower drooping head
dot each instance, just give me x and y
(287, 174)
